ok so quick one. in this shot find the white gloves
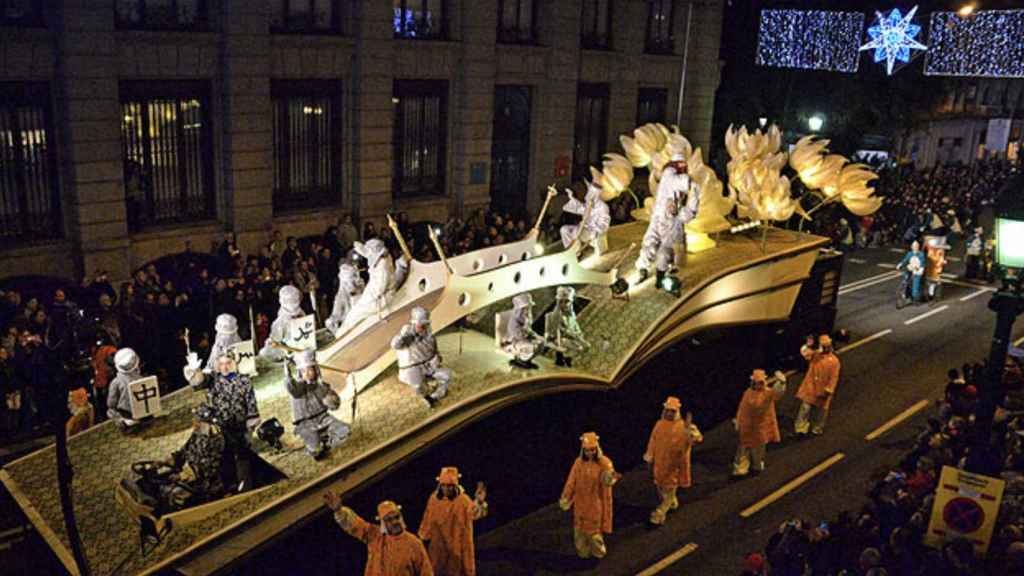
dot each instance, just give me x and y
(193, 369)
(780, 376)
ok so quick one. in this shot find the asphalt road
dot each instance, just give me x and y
(896, 359)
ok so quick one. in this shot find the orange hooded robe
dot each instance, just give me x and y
(402, 555)
(590, 497)
(669, 449)
(448, 525)
(755, 417)
(822, 374)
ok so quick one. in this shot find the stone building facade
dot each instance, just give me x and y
(130, 126)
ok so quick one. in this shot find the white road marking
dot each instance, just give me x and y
(896, 421)
(857, 260)
(791, 485)
(864, 280)
(952, 258)
(886, 265)
(897, 250)
(949, 276)
(875, 280)
(973, 294)
(926, 314)
(669, 560)
(968, 285)
(864, 341)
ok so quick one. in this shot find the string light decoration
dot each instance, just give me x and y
(989, 43)
(893, 37)
(810, 39)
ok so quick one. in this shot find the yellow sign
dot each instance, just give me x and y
(966, 505)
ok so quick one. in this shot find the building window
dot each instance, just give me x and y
(591, 128)
(420, 138)
(24, 13)
(596, 24)
(651, 105)
(162, 14)
(958, 142)
(307, 144)
(306, 16)
(423, 19)
(517, 23)
(167, 152)
(29, 191)
(660, 14)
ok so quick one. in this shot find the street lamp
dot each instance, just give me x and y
(966, 10)
(815, 123)
(1007, 302)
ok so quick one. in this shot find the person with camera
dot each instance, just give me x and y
(756, 422)
(233, 400)
(312, 398)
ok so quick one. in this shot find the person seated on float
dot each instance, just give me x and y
(385, 279)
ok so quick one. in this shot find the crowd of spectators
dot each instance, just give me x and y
(949, 198)
(182, 294)
(885, 536)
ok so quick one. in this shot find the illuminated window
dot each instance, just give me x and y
(167, 151)
(307, 134)
(29, 191)
(660, 14)
(423, 19)
(420, 137)
(162, 14)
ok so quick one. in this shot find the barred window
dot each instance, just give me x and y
(517, 22)
(29, 190)
(591, 128)
(306, 16)
(660, 14)
(307, 147)
(25, 13)
(420, 137)
(424, 19)
(167, 152)
(651, 105)
(595, 24)
(162, 14)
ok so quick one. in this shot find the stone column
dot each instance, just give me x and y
(246, 122)
(88, 121)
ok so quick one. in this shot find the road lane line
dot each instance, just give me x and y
(968, 285)
(791, 485)
(897, 250)
(864, 341)
(864, 280)
(948, 276)
(669, 560)
(886, 265)
(897, 420)
(858, 260)
(926, 314)
(878, 280)
(952, 258)
(973, 294)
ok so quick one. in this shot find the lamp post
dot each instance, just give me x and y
(686, 57)
(1007, 303)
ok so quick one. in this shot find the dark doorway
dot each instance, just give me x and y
(510, 152)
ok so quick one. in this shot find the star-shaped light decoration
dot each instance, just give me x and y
(892, 37)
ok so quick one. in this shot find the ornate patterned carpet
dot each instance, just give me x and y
(386, 410)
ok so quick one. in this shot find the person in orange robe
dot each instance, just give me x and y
(668, 452)
(588, 491)
(755, 421)
(392, 551)
(816, 391)
(447, 525)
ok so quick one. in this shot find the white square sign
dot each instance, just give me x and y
(245, 355)
(302, 333)
(145, 397)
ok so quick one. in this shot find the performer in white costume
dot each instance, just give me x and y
(419, 361)
(290, 300)
(311, 401)
(562, 329)
(519, 339)
(597, 222)
(119, 404)
(350, 286)
(676, 203)
(227, 335)
(384, 281)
